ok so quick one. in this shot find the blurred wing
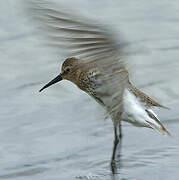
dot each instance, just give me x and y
(90, 42)
(78, 36)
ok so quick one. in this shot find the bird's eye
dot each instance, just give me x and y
(67, 69)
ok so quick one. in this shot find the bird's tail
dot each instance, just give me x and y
(156, 124)
(161, 129)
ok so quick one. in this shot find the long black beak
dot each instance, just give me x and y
(55, 80)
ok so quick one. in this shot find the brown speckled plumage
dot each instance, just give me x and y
(97, 68)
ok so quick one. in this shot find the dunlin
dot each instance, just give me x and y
(98, 69)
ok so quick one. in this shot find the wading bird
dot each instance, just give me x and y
(97, 68)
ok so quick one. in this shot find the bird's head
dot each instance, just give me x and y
(69, 71)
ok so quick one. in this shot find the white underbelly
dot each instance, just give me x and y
(133, 110)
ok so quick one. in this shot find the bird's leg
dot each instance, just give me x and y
(120, 130)
(116, 141)
(117, 138)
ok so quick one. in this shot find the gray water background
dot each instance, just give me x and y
(61, 133)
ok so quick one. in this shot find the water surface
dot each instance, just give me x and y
(61, 134)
